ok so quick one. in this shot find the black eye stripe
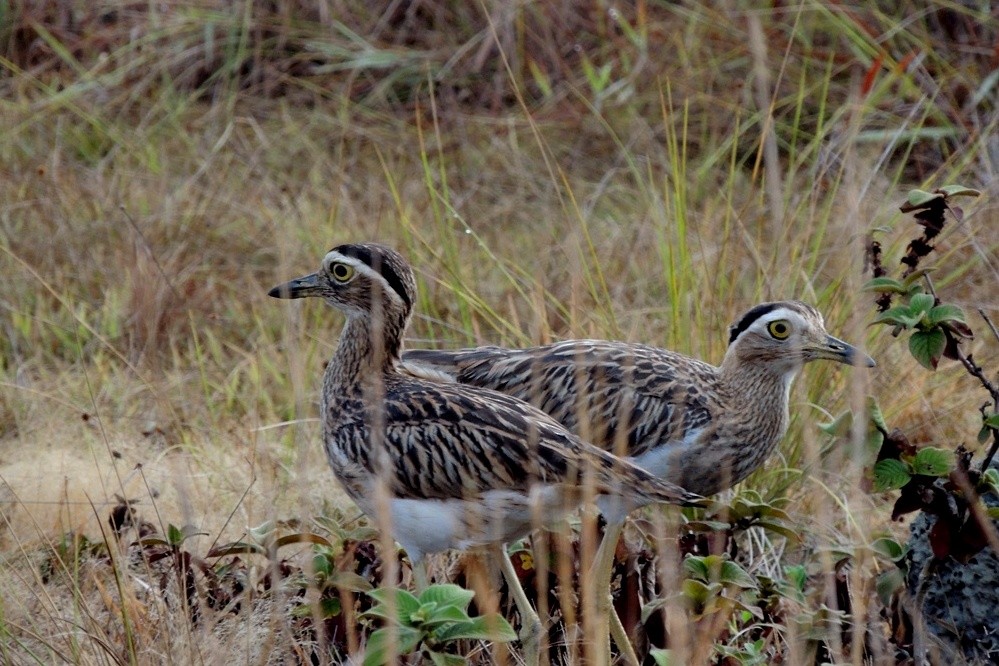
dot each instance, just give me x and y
(376, 263)
(748, 319)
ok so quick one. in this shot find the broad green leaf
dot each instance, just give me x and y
(447, 594)
(890, 474)
(888, 583)
(445, 615)
(945, 313)
(927, 347)
(888, 548)
(733, 574)
(992, 421)
(782, 529)
(174, 535)
(379, 650)
(885, 285)
(958, 191)
(707, 526)
(984, 434)
(921, 303)
(919, 199)
(901, 315)
(933, 461)
(403, 603)
(492, 627)
(696, 567)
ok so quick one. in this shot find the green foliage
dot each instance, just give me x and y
(891, 474)
(435, 620)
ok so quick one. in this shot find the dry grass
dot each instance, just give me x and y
(551, 171)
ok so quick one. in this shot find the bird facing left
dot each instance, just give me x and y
(463, 466)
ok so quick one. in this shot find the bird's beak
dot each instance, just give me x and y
(835, 349)
(297, 288)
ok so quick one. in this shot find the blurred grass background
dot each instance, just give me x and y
(639, 171)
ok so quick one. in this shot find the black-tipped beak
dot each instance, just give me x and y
(835, 349)
(297, 288)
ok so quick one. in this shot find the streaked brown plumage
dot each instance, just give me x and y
(699, 426)
(464, 466)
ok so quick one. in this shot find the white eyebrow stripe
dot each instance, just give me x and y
(361, 268)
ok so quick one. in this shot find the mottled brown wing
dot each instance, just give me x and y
(445, 442)
(611, 393)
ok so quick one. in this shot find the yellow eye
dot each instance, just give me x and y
(341, 272)
(779, 329)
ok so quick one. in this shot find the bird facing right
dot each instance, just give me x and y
(701, 427)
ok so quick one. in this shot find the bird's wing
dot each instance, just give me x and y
(611, 393)
(445, 442)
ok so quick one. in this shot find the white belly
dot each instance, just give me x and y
(428, 526)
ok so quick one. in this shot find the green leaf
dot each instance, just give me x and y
(663, 657)
(443, 659)
(875, 414)
(888, 583)
(445, 615)
(920, 304)
(403, 605)
(927, 347)
(839, 426)
(797, 575)
(888, 548)
(901, 315)
(447, 594)
(991, 421)
(991, 477)
(945, 313)
(696, 567)
(919, 199)
(492, 627)
(174, 536)
(378, 651)
(782, 529)
(933, 461)
(885, 285)
(958, 191)
(733, 574)
(890, 474)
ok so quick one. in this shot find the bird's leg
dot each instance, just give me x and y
(603, 570)
(531, 627)
(421, 575)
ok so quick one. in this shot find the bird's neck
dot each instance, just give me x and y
(368, 349)
(761, 393)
